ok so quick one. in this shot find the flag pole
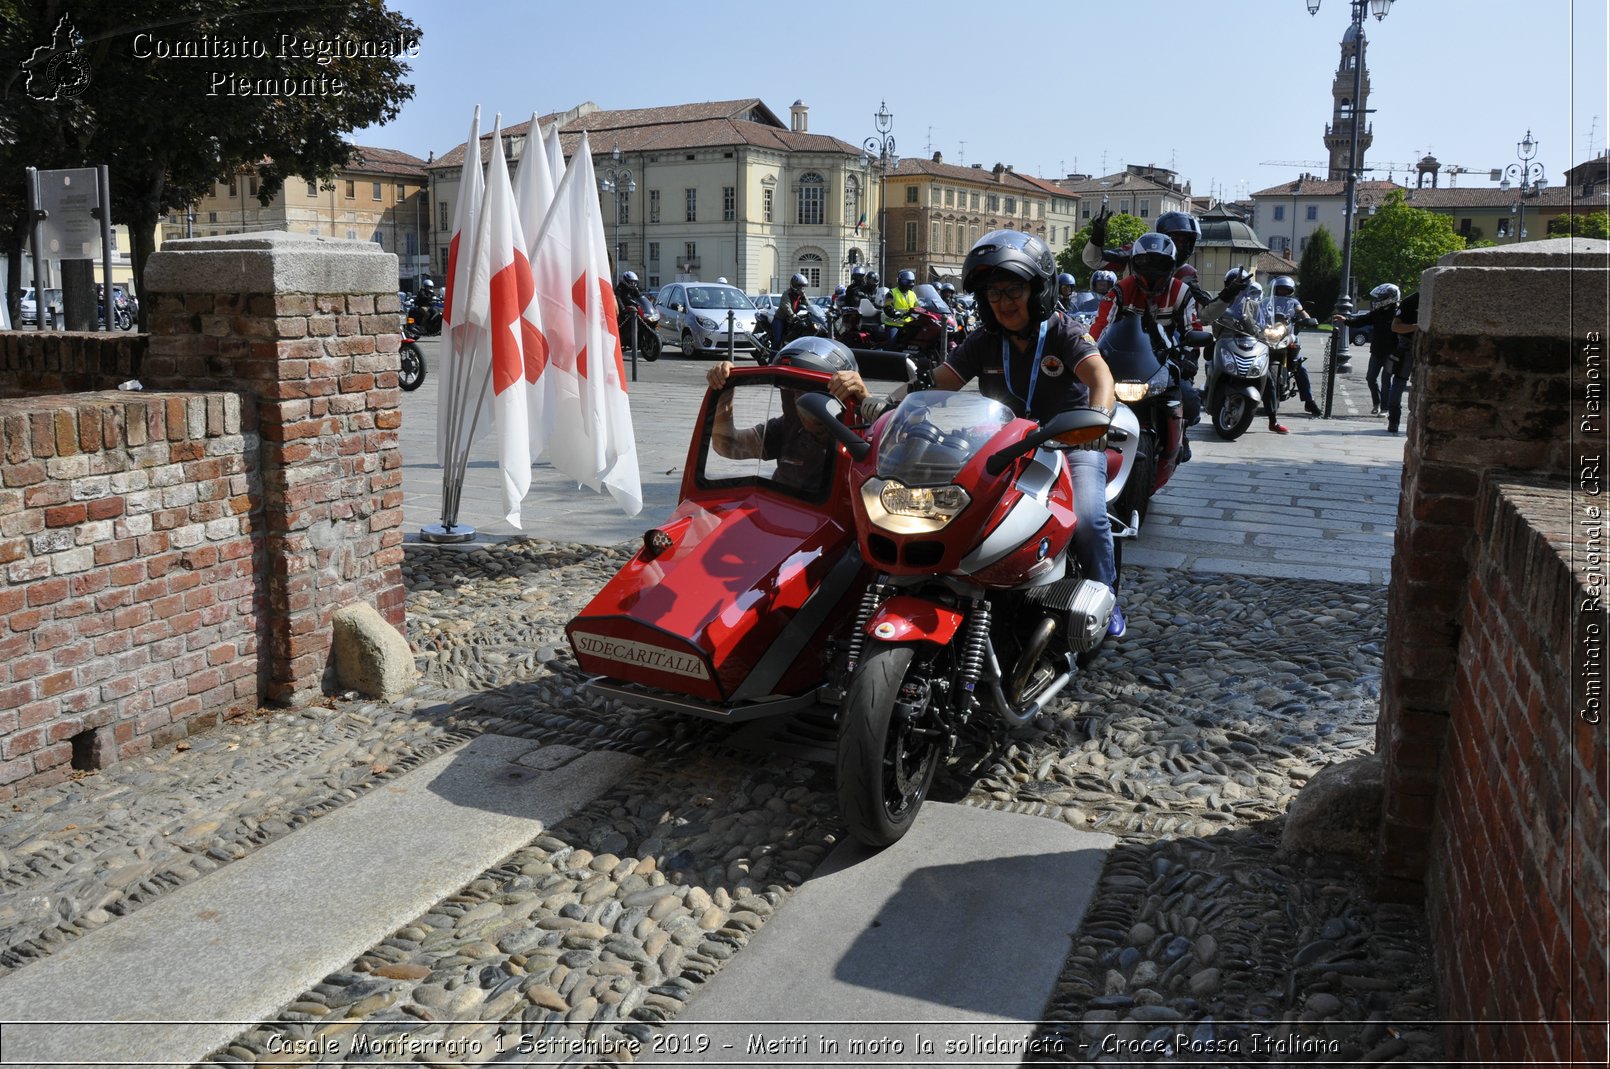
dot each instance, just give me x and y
(455, 461)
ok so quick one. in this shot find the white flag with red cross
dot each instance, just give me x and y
(592, 438)
(460, 341)
(501, 302)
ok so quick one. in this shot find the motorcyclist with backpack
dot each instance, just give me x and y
(1383, 343)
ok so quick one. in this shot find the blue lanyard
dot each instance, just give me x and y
(1034, 372)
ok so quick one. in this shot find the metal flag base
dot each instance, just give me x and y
(446, 533)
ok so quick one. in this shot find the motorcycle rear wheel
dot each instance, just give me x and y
(411, 373)
(883, 768)
(1232, 416)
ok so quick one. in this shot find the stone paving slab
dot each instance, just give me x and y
(171, 982)
(956, 931)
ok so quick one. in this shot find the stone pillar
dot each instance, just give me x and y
(1500, 372)
(307, 329)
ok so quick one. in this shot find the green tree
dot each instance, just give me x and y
(1319, 273)
(1121, 229)
(1399, 242)
(1590, 225)
(168, 128)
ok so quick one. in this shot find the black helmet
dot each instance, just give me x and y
(905, 279)
(1065, 279)
(947, 290)
(857, 272)
(798, 282)
(629, 278)
(872, 279)
(1152, 259)
(816, 354)
(1284, 286)
(1183, 229)
(1017, 254)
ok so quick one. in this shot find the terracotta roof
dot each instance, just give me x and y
(1552, 196)
(390, 161)
(955, 172)
(704, 133)
(721, 122)
(1272, 263)
(1309, 186)
(1113, 182)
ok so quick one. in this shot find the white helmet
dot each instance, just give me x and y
(1383, 295)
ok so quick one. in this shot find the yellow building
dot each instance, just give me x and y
(381, 196)
(717, 190)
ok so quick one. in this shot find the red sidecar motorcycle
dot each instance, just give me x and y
(917, 574)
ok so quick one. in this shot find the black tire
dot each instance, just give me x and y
(411, 373)
(880, 784)
(690, 348)
(648, 346)
(1232, 416)
(1136, 495)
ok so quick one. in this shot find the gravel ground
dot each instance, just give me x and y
(1187, 742)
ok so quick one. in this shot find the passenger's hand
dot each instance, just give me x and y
(847, 387)
(1337, 318)
(716, 377)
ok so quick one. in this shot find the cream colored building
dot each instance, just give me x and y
(722, 190)
(380, 197)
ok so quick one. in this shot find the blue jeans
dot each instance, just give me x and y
(1092, 539)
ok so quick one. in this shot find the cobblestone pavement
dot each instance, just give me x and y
(1187, 742)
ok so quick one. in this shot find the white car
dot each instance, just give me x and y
(25, 309)
(694, 316)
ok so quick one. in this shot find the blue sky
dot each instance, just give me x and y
(1462, 79)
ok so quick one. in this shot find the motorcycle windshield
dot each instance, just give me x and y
(929, 298)
(934, 433)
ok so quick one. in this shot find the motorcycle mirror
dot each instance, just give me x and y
(1194, 338)
(826, 411)
(1074, 426)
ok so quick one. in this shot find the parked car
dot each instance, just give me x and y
(693, 315)
(26, 310)
(1361, 335)
(765, 305)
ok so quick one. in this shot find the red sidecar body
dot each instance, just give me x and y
(730, 607)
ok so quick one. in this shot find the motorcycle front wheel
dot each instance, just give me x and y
(1232, 416)
(885, 762)
(411, 373)
(1136, 496)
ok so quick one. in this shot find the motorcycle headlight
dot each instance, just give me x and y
(912, 509)
(708, 324)
(1130, 392)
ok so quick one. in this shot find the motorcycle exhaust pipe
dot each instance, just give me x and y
(1022, 718)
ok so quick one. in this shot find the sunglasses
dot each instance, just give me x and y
(1012, 291)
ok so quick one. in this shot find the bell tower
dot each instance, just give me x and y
(1344, 109)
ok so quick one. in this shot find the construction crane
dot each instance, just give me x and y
(1452, 170)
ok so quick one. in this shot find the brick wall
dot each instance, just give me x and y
(53, 361)
(309, 330)
(171, 558)
(1516, 890)
(127, 536)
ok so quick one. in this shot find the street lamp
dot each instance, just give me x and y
(1528, 174)
(1344, 303)
(880, 147)
(617, 179)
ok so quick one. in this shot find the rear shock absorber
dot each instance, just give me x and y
(975, 647)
